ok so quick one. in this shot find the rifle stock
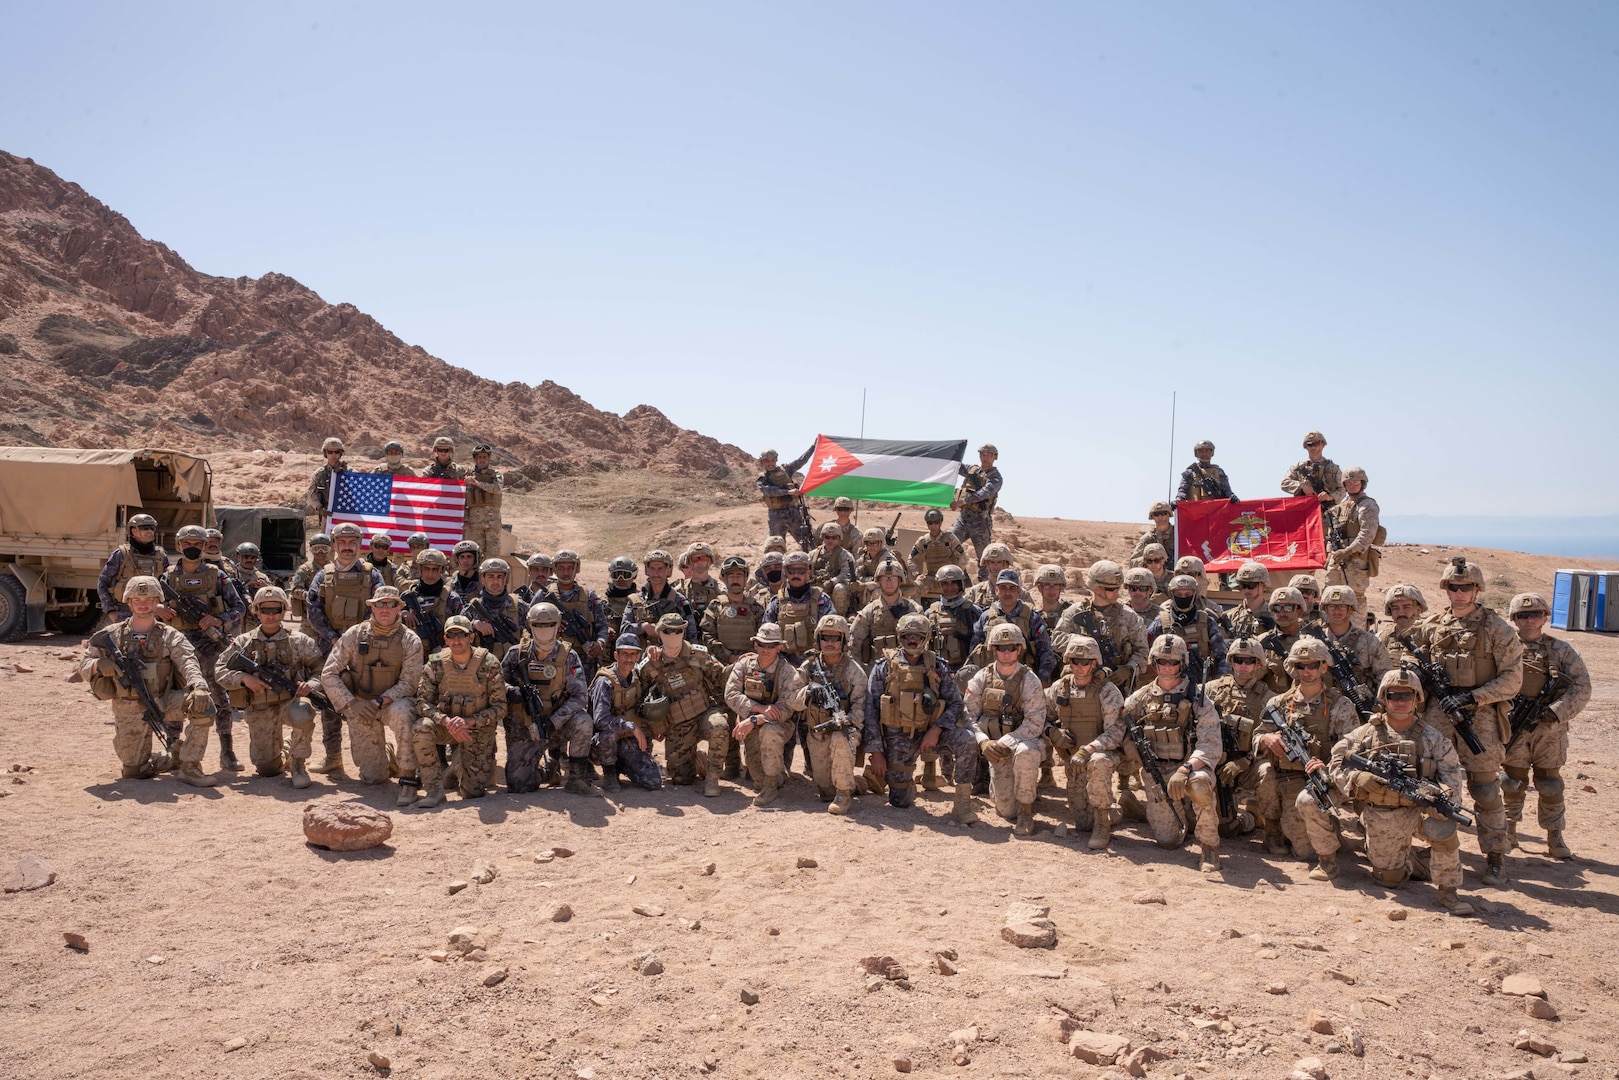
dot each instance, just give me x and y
(129, 669)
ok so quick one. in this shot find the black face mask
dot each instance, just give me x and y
(1185, 603)
(145, 549)
(192, 553)
(772, 576)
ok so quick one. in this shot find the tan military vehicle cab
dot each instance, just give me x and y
(63, 511)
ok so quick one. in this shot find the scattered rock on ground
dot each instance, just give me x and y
(76, 942)
(341, 825)
(457, 886)
(1098, 1047)
(649, 964)
(1397, 914)
(1311, 1067)
(1522, 985)
(1534, 1044)
(1028, 927)
(1539, 1008)
(886, 966)
(1276, 988)
(484, 873)
(807, 863)
(496, 977)
(31, 872)
(749, 996)
(943, 966)
(377, 1060)
(235, 1044)
(464, 939)
(902, 1064)
(708, 870)
(1150, 896)
(651, 911)
(561, 913)
(1319, 1023)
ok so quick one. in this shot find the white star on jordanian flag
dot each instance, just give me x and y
(829, 463)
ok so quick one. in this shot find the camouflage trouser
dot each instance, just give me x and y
(265, 728)
(831, 755)
(1543, 750)
(132, 739)
(1483, 774)
(1090, 787)
(1356, 574)
(1389, 830)
(621, 752)
(900, 751)
(1320, 825)
(475, 757)
(569, 739)
(680, 744)
(208, 654)
(788, 522)
(1015, 782)
(331, 721)
(762, 749)
(975, 530)
(483, 528)
(1276, 798)
(369, 744)
(1169, 823)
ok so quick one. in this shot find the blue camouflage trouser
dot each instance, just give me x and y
(789, 521)
(976, 529)
(900, 751)
(615, 753)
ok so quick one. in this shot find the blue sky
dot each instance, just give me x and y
(1026, 223)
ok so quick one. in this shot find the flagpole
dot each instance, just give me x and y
(862, 435)
(1170, 492)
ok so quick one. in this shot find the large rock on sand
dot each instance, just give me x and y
(345, 826)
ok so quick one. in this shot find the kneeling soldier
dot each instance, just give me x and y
(461, 699)
(620, 738)
(270, 710)
(552, 673)
(693, 682)
(764, 691)
(1080, 706)
(1006, 708)
(835, 689)
(371, 677)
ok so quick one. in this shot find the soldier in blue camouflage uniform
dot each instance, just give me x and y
(783, 502)
(212, 586)
(656, 600)
(584, 616)
(913, 705)
(619, 741)
(547, 662)
(139, 556)
(975, 504)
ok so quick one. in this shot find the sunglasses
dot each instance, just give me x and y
(1284, 607)
(1008, 648)
(1461, 586)
(1252, 585)
(830, 637)
(912, 639)
(1242, 661)
(1166, 663)
(1529, 616)
(266, 610)
(1141, 588)
(1106, 588)
(1400, 695)
(1081, 661)
(144, 528)
(389, 604)
(1308, 665)
(448, 634)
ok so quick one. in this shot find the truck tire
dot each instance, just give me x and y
(13, 609)
(82, 623)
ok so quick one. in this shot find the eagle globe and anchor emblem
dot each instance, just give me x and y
(1252, 532)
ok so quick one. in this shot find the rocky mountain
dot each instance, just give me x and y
(112, 340)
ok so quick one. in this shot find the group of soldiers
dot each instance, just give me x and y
(1283, 716)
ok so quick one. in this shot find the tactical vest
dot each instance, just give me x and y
(1205, 482)
(380, 661)
(1240, 709)
(1078, 708)
(1349, 646)
(1168, 724)
(1195, 630)
(976, 478)
(681, 680)
(1113, 628)
(778, 477)
(850, 539)
(157, 670)
(300, 588)
(477, 496)
(883, 626)
(735, 622)
(137, 565)
(1003, 701)
(436, 604)
(947, 630)
(1021, 620)
(343, 594)
(624, 698)
(507, 610)
(580, 606)
(460, 691)
(933, 554)
(1462, 650)
(1538, 667)
(761, 686)
(616, 606)
(390, 573)
(900, 706)
(797, 620)
(260, 649)
(825, 566)
(700, 593)
(815, 714)
(1316, 722)
(653, 609)
(203, 583)
(1245, 623)
(1389, 636)
(550, 678)
(1386, 740)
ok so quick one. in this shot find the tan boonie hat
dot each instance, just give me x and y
(460, 623)
(385, 592)
(671, 623)
(767, 634)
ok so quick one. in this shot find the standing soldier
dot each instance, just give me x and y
(169, 670)
(700, 588)
(1252, 617)
(539, 569)
(843, 507)
(1006, 711)
(693, 683)
(1049, 582)
(1287, 609)
(1315, 475)
(1117, 630)
(1310, 589)
(1160, 532)
(1482, 658)
(393, 460)
(876, 628)
(549, 665)
(270, 710)
(1543, 748)
(1325, 715)
(1404, 604)
(338, 595)
(764, 691)
(1357, 515)
(1240, 698)
(484, 492)
(1203, 479)
(1389, 818)
(1155, 559)
(496, 614)
(798, 609)
(954, 619)
(995, 558)
(874, 552)
(912, 706)
(429, 603)
(1139, 589)
(213, 551)
(381, 544)
(584, 616)
(620, 739)
(620, 592)
(832, 568)
(1009, 607)
(405, 568)
(835, 687)
(460, 699)
(467, 581)
(974, 504)
(933, 551)
(770, 578)
(731, 620)
(1366, 654)
(370, 677)
(657, 599)
(784, 504)
(249, 577)
(1079, 707)
(1183, 731)
(318, 499)
(207, 603)
(1184, 616)
(442, 466)
(140, 555)
(320, 553)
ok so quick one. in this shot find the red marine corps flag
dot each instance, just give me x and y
(1284, 534)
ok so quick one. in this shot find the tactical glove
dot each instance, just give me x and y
(1455, 702)
(363, 709)
(1177, 784)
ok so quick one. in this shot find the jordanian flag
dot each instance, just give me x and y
(879, 470)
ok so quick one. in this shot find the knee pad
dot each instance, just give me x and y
(900, 792)
(1391, 878)
(1438, 830)
(1549, 783)
(1514, 782)
(1486, 794)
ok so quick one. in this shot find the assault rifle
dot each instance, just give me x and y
(427, 623)
(1526, 713)
(1437, 686)
(191, 608)
(1151, 765)
(533, 704)
(1400, 780)
(129, 677)
(277, 677)
(1343, 672)
(1296, 745)
(821, 678)
(1336, 541)
(891, 534)
(506, 632)
(574, 626)
(1104, 641)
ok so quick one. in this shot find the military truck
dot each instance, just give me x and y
(63, 511)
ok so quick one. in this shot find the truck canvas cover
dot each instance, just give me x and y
(58, 492)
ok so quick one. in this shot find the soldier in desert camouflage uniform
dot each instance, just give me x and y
(1101, 616)
(693, 682)
(393, 460)
(1287, 610)
(268, 712)
(381, 561)
(730, 620)
(874, 552)
(319, 494)
(832, 568)
(584, 623)
(620, 594)
(934, 550)
(539, 567)
(485, 489)
(370, 676)
(1080, 706)
(995, 558)
(248, 577)
(460, 701)
(320, 553)
(1357, 517)
(222, 605)
(1366, 654)
(1241, 697)
(700, 587)
(619, 741)
(405, 570)
(763, 691)
(430, 595)
(1155, 559)
(1252, 617)
(140, 555)
(876, 628)
(1315, 475)
(1139, 590)
(657, 599)
(1005, 708)
(443, 466)
(834, 685)
(1161, 532)
(1404, 604)
(497, 615)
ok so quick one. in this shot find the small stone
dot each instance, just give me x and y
(438, 956)
(1031, 935)
(1397, 914)
(1061, 831)
(1573, 1057)
(695, 925)
(1150, 896)
(477, 956)
(649, 964)
(749, 996)
(1230, 933)
(1098, 1047)
(562, 852)
(495, 978)
(959, 1056)
(235, 1044)
(948, 954)
(1267, 954)
(1452, 943)
(902, 1064)
(76, 942)
(651, 911)
(1318, 1022)
(1539, 1008)
(457, 885)
(1588, 789)
(630, 880)
(943, 966)
(544, 857)
(807, 863)
(484, 873)
(1517, 1074)
(30, 873)
(1353, 1041)
(773, 932)
(1474, 1029)
(966, 1036)
(1521, 985)
(464, 939)
(154, 960)
(1342, 976)
(22, 669)
(561, 913)
(1310, 946)
(875, 983)
(1534, 1044)
(587, 1073)
(1311, 1067)
(886, 966)
(1536, 949)
(379, 1061)
(707, 870)
(1334, 1047)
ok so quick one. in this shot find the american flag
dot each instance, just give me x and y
(401, 505)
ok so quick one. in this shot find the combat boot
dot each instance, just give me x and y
(191, 773)
(1208, 858)
(824, 794)
(1555, 847)
(433, 788)
(407, 791)
(579, 781)
(767, 792)
(1450, 902)
(711, 785)
(1101, 832)
(1512, 835)
(1129, 806)
(610, 778)
(227, 752)
(300, 775)
(930, 776)
(963, 812)
(1025, 820)
(874, 785)
(332, 763)
(1495, 871)
(1046, 779)
(1326, 869)
(840, 805)
(1275, 842)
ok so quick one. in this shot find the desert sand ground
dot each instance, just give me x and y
(220, 944)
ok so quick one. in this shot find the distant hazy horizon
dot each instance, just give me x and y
(1595, 537)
